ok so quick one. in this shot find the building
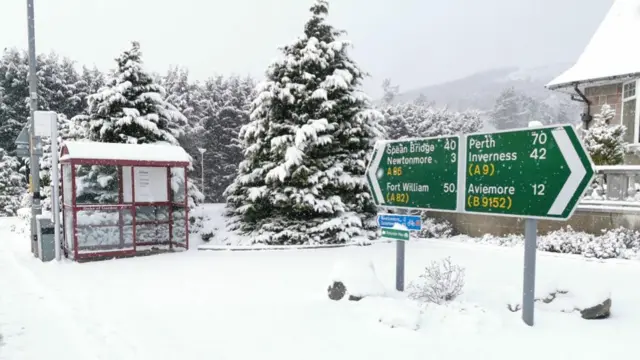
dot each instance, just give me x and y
(608, 71)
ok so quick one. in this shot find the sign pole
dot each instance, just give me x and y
(529, 279)
(529, 276)
(400, 250)
(398, 227)
(400, 265)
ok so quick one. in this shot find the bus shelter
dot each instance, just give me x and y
(123, 199)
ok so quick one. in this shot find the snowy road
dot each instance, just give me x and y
(272, 305)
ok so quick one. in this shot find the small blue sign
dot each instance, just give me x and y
(389, 221)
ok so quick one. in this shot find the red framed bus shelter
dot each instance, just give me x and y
(123, 199)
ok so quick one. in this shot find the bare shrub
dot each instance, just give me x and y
(441, 282)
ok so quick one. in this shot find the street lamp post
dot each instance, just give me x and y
(202, 151)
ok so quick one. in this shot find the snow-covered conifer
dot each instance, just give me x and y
(132, 108)
(390, 91)
(12, 184)
(306, 148)
(507, 110)
(395, 123)
(605, 142)
(14, 92)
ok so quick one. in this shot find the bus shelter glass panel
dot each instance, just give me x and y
(97, 184)
(104, 229)
(67, 181)
(152, 224)
(68, 228)
(178, 205)
(179, 230)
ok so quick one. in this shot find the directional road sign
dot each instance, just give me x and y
(415, 174)
(390, 221)
(394, 234)
(533, 173)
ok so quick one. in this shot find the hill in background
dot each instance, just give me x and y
(481, 90)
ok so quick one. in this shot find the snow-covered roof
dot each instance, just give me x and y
(612, 52)
(145, 153)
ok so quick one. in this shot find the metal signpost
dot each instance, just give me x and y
(399, 227)
(531, 173)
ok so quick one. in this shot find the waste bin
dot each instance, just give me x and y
(46, 239)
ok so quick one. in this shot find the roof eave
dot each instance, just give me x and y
(596, 81)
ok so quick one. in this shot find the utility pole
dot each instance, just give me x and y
(34, 142)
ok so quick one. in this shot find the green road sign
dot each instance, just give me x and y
(415, 174)
(395, 234)
(534, 172)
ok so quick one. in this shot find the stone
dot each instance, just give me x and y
(597, 312)
(355, 298)
(336, 291)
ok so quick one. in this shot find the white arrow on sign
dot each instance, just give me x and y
(373, 169)
(576, 169)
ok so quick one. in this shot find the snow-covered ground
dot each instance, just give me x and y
(274, 305)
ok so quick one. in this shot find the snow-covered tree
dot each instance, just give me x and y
(422, 100)
(410, 120)
(430, 122)
(90, 82)
(306, 148)
(605, 142)
(507, 111)
(186, 97)
(12, 184)
(390, 91)
(395, 123)
(223, 109)
(14, 94)
(132, 108)
(514, 109)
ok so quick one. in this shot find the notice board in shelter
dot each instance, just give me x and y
(150, 184)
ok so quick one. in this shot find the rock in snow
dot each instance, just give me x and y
(356, 278)
(337, 290)
(597, 312)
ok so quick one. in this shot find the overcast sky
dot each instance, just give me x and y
(414, 42)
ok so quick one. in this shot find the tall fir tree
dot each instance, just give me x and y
(132, 109)
(306, 148)
(507, 110)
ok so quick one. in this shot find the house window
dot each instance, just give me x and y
(629, 116)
